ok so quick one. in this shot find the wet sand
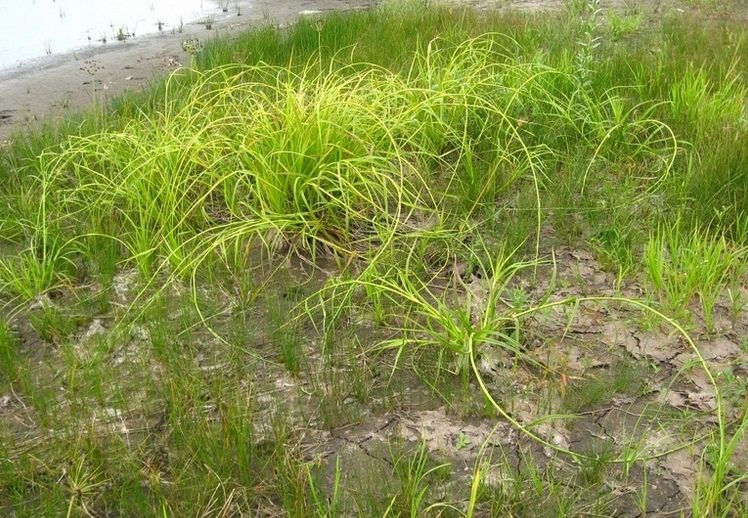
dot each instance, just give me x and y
(56, 86)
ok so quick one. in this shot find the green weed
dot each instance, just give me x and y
(682, 267)
(622, 379)
(10, 358)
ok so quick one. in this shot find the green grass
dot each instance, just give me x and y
(218, 292)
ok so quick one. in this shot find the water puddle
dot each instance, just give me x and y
(38, 28)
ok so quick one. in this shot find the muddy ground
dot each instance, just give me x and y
(630, 385)
(55, 86)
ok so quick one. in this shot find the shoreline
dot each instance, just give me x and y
(57, 86)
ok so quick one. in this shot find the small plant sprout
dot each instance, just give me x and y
(238, 8)
(224, 5)
(123, 34)
(462, 441)
(737, 299)
(81, 486)
(588, 43)
(160, 26)
(208, 22)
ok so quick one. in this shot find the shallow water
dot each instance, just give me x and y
(37, 28)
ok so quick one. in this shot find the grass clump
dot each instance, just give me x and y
(329, 160)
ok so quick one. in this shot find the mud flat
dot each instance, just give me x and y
(58, 85)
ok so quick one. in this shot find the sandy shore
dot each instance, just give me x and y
(56, 86)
